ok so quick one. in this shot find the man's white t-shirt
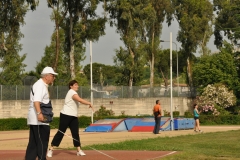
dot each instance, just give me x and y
(40, 90)
(70, 106)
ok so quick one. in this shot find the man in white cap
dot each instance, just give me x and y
(39, 131)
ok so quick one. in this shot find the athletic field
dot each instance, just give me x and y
(13, 144)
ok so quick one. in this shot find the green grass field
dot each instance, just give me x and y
(201, 146)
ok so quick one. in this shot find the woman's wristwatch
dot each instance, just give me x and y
(39, 113)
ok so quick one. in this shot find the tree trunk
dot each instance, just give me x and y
(57, 40)
(165, 82)
(101, 78)
(57, 45)
(152, 64)
(189, 72)
(71, 53)
(131, 73)
(2, 43)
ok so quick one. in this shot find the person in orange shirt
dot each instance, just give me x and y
(157, 116)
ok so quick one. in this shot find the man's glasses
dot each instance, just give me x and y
(52, 75)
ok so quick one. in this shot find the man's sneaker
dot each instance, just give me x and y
(49, 153)
(195, 131)
(200, 131)
(80, 153)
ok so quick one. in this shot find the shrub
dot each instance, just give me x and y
(210, 110)
(176, 113)
(188, 114)
(220, 120)
(103, 112)
(166, 113)
(21, 123)
(84, 121)
(123, 113)
(13, 124)
(216, 97)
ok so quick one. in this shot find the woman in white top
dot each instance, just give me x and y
(68, 118)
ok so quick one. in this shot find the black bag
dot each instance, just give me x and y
(46, 110)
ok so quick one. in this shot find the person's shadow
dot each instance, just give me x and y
(57, 152)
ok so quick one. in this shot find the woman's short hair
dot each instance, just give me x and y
(71, 83)
(194, 105)
(157, 101)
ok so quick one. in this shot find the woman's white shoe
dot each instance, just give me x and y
(80, 153)
(49, 153)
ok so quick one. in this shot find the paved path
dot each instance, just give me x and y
(12, 142)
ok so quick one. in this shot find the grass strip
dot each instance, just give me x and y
(216, 145)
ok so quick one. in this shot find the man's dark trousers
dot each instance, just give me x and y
(157, 124)
(38, 142)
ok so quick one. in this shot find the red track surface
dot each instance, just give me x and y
(91, 155)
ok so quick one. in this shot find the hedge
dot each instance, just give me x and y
(21, 123)
(84, 121)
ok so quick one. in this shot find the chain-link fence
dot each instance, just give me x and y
(59, 92)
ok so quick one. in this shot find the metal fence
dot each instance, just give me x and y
(59, 92)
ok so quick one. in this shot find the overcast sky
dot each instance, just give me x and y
(39, 28)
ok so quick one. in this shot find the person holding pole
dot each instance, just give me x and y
(69, 118)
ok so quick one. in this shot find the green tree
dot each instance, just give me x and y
(81, 24)
(130, 18)
(102, 74)
(216, 68)
(32, 4)
(63, 69)
(162, 65)
(152, 30)
(63, 60)
(194, 19)
(58, 14)
(227, 21)
(130, 69)
(11, 66)
(237, 61)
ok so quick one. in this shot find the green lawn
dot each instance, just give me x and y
(207, 146)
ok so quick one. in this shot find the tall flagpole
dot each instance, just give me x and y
(91, 79)
(171, 111)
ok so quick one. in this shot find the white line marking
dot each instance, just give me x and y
(164, 155)
(87, 146)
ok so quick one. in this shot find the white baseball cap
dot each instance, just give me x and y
(48, 70)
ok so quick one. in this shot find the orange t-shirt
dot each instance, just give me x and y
(157, 108)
